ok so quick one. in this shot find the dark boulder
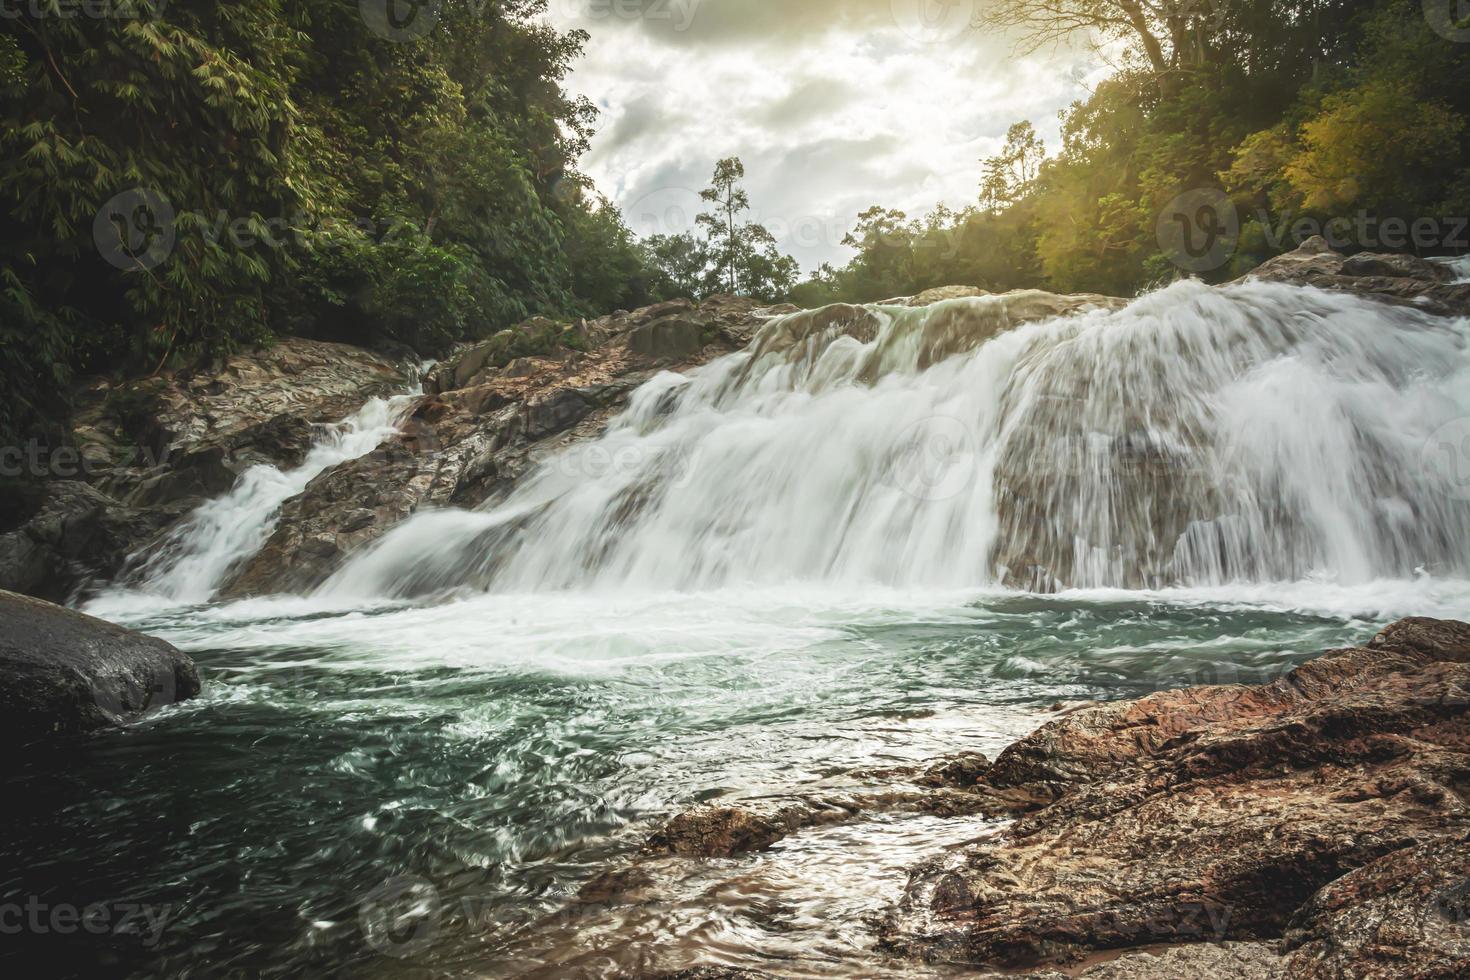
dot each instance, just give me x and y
(65, 673)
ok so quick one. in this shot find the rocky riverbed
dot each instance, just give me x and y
(1316, 826)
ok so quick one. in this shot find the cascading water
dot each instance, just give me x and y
(1459, 265)
(191, 563)
(1198, 436)
(743, 589)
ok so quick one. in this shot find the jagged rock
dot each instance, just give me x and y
(1405, 915)
(1395, 267)
(1200, 961)
(931, 296)
(77, 534)
(257, 406)
(725, 831)
(675, 337)
(463, 445)
(65, 673)
(556, 412)
(1211, 814)
(1392, 278)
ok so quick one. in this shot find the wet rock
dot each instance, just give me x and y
(1201, 961)
(671, 338)
(725, 831)
(77, 534)
(1405, 915)
(931, 296)
(65, 673)
(556, 412)
(1401, 279)
(1208, 815)
(482, 427)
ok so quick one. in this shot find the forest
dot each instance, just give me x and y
(185, 178)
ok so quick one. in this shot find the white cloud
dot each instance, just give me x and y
(833, 105)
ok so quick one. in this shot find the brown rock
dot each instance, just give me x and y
(1211, 814)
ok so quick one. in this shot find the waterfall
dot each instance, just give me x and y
(1459, 265)
(191, 562)
(1259, 432)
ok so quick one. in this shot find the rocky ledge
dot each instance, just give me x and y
(62, 673)
(1316, 826)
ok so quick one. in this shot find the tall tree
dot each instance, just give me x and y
(722, 225)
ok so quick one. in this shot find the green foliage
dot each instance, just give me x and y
(322, 180)
(1325, 109)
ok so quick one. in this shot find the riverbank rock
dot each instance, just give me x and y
(76, 534)
(63, 673)
(1212, 814)
(1314, 826)
(490, 413)
(1389, 277)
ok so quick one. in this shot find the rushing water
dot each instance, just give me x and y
(786, 567)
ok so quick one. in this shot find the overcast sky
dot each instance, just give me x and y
(833, 105)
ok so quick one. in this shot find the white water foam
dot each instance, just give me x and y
(1197, 438)
(193, 560)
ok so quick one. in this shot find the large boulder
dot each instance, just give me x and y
(77, 534)
(1215, 814)
(65, 673)
(1389, 277)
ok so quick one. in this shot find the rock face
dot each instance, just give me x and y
(150, 451)
(493, 409)
(1393, 278)
(77, 534)
(1316, 826)
(65, 673)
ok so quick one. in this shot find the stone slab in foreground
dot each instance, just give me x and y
(65, 673)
